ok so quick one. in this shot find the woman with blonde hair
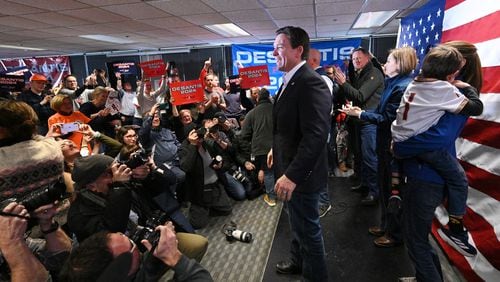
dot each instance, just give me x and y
(398, 69)
(68, 122)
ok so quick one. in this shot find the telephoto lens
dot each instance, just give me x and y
(242, 236)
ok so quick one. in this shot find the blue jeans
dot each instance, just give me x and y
(420, 199)
(453, 174)
(269, 183)
(369, 158)
(235, 189)
(307, 247)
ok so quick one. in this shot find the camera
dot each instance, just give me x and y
(238, 175)
(148, 232)
(233, 234)
(137, 158)
(217, 160)
(39, 197)
(201, 132)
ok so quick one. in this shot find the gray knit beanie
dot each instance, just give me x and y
(88, 169)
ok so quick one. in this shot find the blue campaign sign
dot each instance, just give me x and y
(332, 53)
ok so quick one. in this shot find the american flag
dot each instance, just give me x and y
(478, 148)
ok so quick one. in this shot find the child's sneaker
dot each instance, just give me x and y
(459, 241)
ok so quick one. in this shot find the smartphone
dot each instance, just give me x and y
(69, 127)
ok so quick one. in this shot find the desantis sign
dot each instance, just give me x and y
(187, 92)
(153, 68)
(254, 76)
(332, 53)
(54, 68)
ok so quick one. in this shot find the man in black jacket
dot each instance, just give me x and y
(364, 91)
(301, 121)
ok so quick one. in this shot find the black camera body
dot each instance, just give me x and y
(148, 232)
(40, 197)
(233, 234)
(238, 175)
(201, 132)
(137, 159)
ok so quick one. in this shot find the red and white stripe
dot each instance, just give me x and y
(478, 148)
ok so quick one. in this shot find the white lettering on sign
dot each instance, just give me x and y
(255, 57)
(336, 53)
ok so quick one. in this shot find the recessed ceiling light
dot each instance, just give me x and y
(227, 30)
(107, 38)
(373, 19)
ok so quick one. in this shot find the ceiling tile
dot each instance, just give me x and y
(258, 25)
(302, 22)
(285, 13)
(137, 11)
(95, 15)
(386, 5)
(156, 33)
(204, 19)
(284, 3)
(339, 8)
(12, 9)
(54, 18)
(183, 8)
(60, 31)
(169, 22)
(192, 30)
(232, 5)
(247, 15)
(53, 5)
(334, 27)
(130, 26)
(93, 29)
(22, 23)
(99, 3)
(337, 19)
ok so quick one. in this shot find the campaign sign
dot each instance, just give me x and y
(125, 68)
(332, 53)
(113, 103)
(153, 68)
(11, 82)
(254, 76)
(187, 92)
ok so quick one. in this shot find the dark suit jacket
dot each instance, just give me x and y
(301, 119)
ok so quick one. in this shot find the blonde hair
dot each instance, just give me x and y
(57, 101)
(98, 91)
(406, 58)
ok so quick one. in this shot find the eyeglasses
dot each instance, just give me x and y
(133, 246)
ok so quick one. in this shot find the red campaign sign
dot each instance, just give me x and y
(54, 68)
(254, 76)
(187, 92)
(153, 68)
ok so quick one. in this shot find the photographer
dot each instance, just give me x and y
(106, 197)
(29, 259)
(221, 146)
(203, 188)
(114, 257)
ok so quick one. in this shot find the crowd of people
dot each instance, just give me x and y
(129, 171)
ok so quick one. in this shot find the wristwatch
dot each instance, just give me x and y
(53, 228)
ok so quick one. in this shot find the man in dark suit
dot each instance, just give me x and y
(301, 119)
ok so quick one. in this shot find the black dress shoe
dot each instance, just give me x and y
(287, 267)
(376, 231)
(369, 200)
(386, 242)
